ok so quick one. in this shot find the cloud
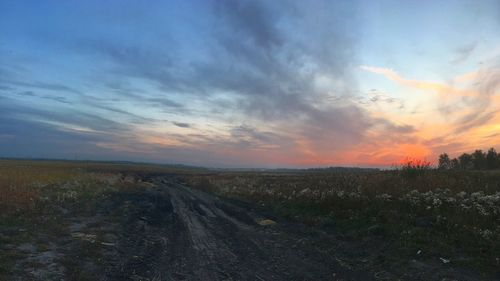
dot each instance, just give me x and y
(57, 99)
(135, 61)
(68, 119)
(380, 98)
(5, 88)
(134, 118)
(468, 104)
(41, 85)
(479, 110)
(163, 102)
(255, 58)
(259, 82)
(245, 137)
(467, 113)
(33, 138)
(181, 125)
(27, 93)
(439, 88)
(136, 96)
(464, 52)
(254, 19)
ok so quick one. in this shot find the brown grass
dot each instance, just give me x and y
(25, 184)
(21, 182)
(454, 215)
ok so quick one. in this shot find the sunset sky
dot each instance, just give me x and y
(249, 83)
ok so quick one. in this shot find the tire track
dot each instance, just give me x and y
(172, 232)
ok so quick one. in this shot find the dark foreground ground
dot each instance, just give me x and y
(169, 231)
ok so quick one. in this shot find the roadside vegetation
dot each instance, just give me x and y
(416, 212)
(446, 216)
(29, 185)
(47, 203)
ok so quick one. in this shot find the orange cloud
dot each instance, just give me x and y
(420, 85)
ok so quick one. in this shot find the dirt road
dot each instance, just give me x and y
(172, 232)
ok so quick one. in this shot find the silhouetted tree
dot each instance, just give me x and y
(479, 160)
(465, 161)
(492, 160)
(444, 162)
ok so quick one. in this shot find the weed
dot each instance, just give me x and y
(417, 208)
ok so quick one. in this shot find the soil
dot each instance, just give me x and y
(176, 233)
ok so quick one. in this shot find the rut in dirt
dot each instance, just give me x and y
(172, 232)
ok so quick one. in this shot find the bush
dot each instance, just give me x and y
(414, 167)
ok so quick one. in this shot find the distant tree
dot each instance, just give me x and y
(465, 161)
(455, 164)
(444, 162)
(479, 160)
(492, 159)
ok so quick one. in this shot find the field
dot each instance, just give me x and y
(449, 216)
(42, 201)
(75, 220)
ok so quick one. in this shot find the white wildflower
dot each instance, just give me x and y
(444, 260)
(436, 202)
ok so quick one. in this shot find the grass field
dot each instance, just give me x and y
(25, 184)
(38, 200)
(451, 217)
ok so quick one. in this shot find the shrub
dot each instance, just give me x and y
(414, 167)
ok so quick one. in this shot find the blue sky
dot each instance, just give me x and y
(248, 83)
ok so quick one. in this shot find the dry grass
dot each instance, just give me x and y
(25, 184)
(439, 214)
(21, 182)
(39, 199)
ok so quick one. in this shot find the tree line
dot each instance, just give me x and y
(478, 160)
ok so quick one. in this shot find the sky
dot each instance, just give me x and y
(249, 83)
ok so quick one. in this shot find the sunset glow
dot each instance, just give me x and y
(249, 83)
